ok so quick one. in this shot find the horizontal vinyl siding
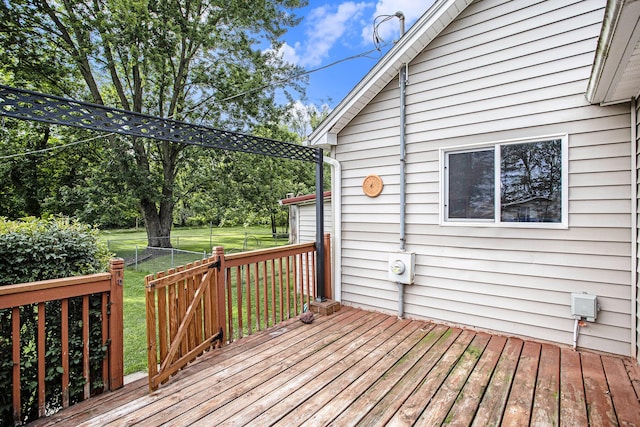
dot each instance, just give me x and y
(503, 70)
(307, 221)
(636, 304)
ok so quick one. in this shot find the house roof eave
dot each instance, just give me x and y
(614, 78)
(427, 28)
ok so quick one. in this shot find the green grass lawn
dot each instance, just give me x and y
(135, 331)
(123, 243)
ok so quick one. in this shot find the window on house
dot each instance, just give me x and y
(530, 183)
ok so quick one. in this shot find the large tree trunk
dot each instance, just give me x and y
(158, 216)
(158, 227)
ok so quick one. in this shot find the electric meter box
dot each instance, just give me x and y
(402, 267)
(584, 306)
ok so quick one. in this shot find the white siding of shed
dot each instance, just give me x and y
(502, 70)
(307, 221)
(306, 228)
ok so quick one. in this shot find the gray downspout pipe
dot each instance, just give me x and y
(403, 155)
(402, 181)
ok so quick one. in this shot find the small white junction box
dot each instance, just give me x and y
(584, 306)
(402, 267)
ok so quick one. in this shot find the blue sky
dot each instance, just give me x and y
(332, 30)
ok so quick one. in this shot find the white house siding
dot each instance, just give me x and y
(502, 70)
(636, 231)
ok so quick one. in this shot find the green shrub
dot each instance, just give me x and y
(40, 249)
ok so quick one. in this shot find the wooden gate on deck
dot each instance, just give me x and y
(193, 308)
(183, 304)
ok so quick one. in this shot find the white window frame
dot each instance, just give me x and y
(496, 222)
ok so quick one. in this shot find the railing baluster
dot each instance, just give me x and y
(296, 260)
(105, 339)
(274, 296)
(41, 360)
(305, 280)
(249, 301)
(198, 319)
(182, 308)
(64, 334)
(265, 299)
(281, 289)
(85, 347)
(15, 337)
(189, 295)
(256, 282)
(239, 300)
(208, 312)
(289, 287)
(163, 326)
(313, 276)
(229, 290)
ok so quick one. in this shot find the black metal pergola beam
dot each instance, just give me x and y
(33, 106)
(28, 105)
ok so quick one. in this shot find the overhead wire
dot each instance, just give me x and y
(290, 78)
(278, 82)
(57, 147)
(377, 39)
(378, 43)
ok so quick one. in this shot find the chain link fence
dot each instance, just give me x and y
(186, 249)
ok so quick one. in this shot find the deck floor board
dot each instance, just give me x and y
(362, 368)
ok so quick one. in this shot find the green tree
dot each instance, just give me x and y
(180, 59)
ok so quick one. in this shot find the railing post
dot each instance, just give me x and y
(327, 266)
(116, 362)
(218, 253)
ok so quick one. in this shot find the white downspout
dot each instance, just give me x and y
(634, 230)
(336, 200)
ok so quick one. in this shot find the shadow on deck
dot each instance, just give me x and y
(358, 367)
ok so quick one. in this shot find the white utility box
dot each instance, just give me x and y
(584, 306)
(402, 267)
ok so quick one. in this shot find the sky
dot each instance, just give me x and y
(332, 30)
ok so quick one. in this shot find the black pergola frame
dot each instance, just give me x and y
(33, 106)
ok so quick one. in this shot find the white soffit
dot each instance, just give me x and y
(615, 76)
(427, 28)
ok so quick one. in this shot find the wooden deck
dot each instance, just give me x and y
(362, 368)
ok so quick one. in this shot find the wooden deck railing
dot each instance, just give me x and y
(223, 298)
(108, 287)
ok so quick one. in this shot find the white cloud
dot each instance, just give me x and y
(289, 53)
(390, 30)
(325, 26)
(349, 23)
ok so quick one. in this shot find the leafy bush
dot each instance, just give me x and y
(40, 249)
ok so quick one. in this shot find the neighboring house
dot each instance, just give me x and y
(302, 221)
(302, 216)
(519, 177)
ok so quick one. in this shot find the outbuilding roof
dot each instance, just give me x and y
(307, 198)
